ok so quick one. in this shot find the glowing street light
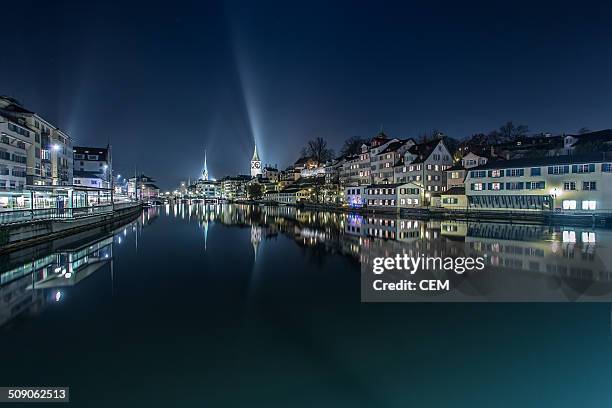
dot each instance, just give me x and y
(55, 147)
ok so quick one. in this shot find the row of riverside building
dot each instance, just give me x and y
(37, 156)
(537, 173)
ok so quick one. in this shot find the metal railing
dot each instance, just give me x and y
(29, 215)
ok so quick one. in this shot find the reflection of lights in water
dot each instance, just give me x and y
(58, 296)
(68, 275)
(119, 240)
(106, 256)
(569, 236)
(588, 237)
(125, 232)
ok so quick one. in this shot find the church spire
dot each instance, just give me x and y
(205, 172)
(255, 155)
(255, 164)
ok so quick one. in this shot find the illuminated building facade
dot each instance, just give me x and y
(255, 164)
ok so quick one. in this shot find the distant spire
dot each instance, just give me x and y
(205, 172)
(255, 155)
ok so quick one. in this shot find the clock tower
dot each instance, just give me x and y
(255, 164)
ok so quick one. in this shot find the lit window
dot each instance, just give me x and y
(589, 205)
(569, 204)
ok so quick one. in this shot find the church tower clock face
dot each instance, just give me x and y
(255, 164)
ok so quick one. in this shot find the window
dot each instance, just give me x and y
(402, 201)
(569, 185)
(536, 171)
(535, 185)
(496, 173)
(496, 186)
(478, 174)
(477, 186)
(558, 169)
(515, 186)
(589, 185)
(588, 205)
(583, 168)
(569, 204)
(515, 172)
(455, 175)
(606, 167)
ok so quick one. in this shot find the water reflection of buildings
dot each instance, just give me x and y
(30, 283)
(567, 252)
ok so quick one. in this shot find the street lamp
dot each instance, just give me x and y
(555, 192)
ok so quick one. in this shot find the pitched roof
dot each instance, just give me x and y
(393, 146)
(455, 191)
(423, 150)
(456, 166)
(548, 161)
(598, 136)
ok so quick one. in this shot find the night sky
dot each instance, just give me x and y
(163, 81)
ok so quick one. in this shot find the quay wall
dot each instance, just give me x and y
(16, 236)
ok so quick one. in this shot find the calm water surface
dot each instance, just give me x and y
(252, 306)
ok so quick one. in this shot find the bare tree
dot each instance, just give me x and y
(352, 145)
(508, 132)
(317, 149)
(255, 191)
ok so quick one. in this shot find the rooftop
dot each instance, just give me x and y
(423, 150)
(455, 191)
(547, 161)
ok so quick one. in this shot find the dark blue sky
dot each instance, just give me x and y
(165, 80)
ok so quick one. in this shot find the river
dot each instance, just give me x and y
(235, 305)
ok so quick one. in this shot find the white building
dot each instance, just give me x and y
(455, 175)
(32, 151)
(577, 183)
(234, 188)
(386, 159)
(393, 196)
(91, 167)
(425, 165)
(354, 196)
